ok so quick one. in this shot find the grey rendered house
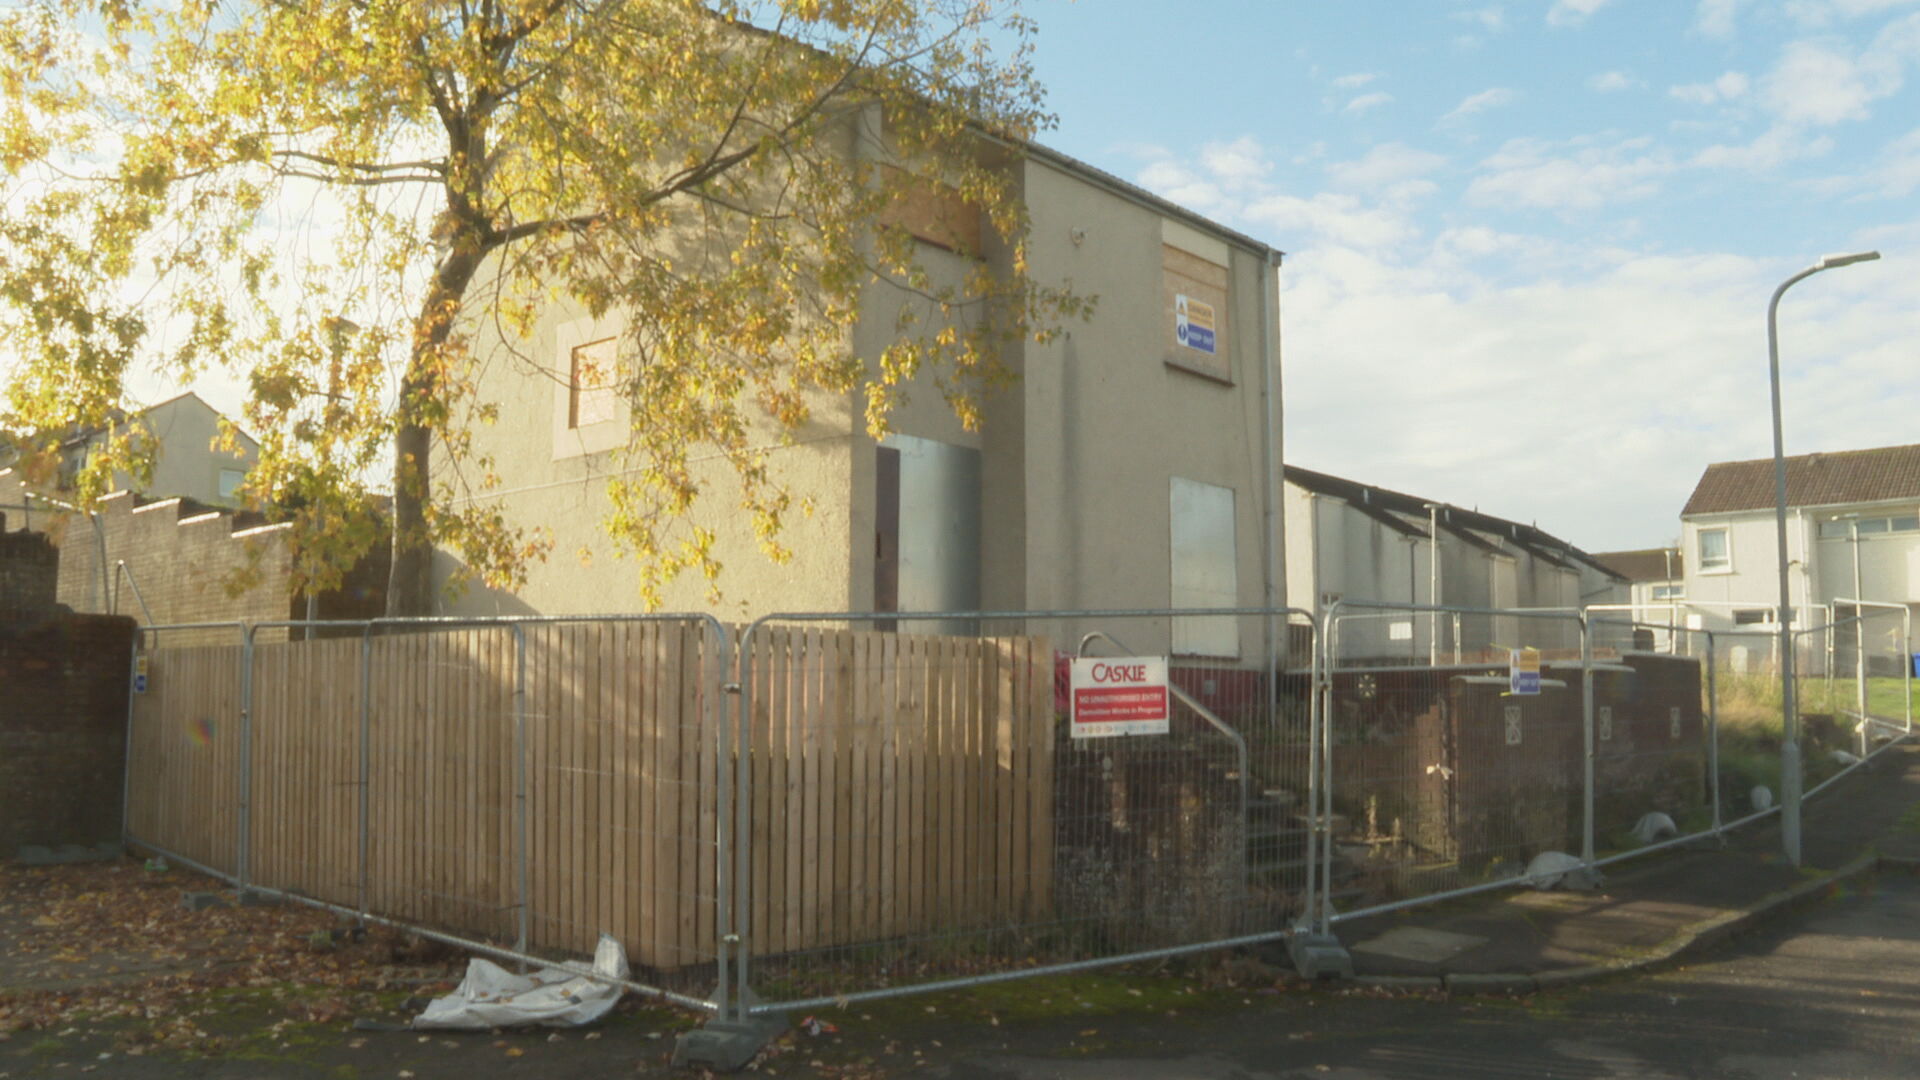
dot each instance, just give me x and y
(1133, 463)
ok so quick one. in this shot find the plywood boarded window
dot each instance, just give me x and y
(1198, 337)
(933, 213)
(590, 383)
(1205, 567)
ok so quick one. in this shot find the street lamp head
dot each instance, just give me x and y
(1831, 261)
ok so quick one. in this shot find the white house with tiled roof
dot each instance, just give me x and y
(1850, 512)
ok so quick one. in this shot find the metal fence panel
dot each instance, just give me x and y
(1654, 730)
(517, 786)
(1439, 777)
(918, 811)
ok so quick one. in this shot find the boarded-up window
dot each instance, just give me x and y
(933, 213)
(1198, 337)
(590, 383)
(1204, 571)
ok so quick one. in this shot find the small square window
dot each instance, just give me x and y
(590, 389)
(1835, 529)
(230, 481)
(1669, 592)
(1713, 550)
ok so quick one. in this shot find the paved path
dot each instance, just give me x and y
(1831, 994)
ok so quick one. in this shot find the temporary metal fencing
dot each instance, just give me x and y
(917, 813)
(1855, 687)
(900, 803)
(514, 786)
(1442, 780)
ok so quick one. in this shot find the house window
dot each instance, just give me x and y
(1204, 570)
(1713, 551)
(1194, 281)
(1752, 616)
(1669, 592)
(1841, 528)
(590, 389)
(932, 213)
(230, 481)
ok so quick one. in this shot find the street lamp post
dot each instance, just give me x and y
(1790, 735)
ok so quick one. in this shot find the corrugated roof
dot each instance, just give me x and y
(1823, 479)
(1372, 500)
(1648, 565)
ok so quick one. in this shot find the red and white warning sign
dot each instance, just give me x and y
(1124, 695)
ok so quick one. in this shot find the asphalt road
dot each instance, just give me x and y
(1834, 993)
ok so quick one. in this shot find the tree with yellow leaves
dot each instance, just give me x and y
(324, 200)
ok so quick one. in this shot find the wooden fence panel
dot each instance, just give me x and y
(901, 784)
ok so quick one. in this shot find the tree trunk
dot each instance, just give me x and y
(410, 581)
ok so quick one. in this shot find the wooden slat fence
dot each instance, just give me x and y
(902, 785)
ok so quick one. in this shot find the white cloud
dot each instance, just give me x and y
(1771, 149)
(1491, 19)
(1715, 18)
(1176, 182)
(1471, 369)
(1818, 14)
(1481, 102)
(1386, 165)
(1330, 219)
(1895, 173)
(1573, 12)
(1577, 175)
(1238, 164)
(1368, 101)
(1355, 81)
(1815, 84)
(1727, 87)
(1609, 82)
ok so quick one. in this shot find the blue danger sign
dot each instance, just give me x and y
(1193, 324)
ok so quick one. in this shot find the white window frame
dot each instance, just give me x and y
(605, 432)
(1725, 565)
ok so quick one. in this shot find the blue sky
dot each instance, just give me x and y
(1530, 244)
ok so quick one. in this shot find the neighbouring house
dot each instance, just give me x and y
(1133, 464)
(1853, 532)
(1656, 593)
(1358, 542)
(176, 550)
(182, 431)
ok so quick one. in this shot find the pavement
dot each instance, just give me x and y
(1652, 912)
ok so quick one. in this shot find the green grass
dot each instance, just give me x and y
(1841, 695)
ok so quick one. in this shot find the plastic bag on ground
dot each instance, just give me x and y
(491, 996)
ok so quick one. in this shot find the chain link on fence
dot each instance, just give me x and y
(922, 811)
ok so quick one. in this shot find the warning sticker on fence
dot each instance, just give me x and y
(1124, 695)
(1523, 671)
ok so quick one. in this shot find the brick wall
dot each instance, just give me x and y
(63, 730)
(181, 559)
(29, 574)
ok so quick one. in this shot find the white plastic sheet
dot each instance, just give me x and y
(491, 996)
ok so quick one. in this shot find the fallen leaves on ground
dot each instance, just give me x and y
(108, 941)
